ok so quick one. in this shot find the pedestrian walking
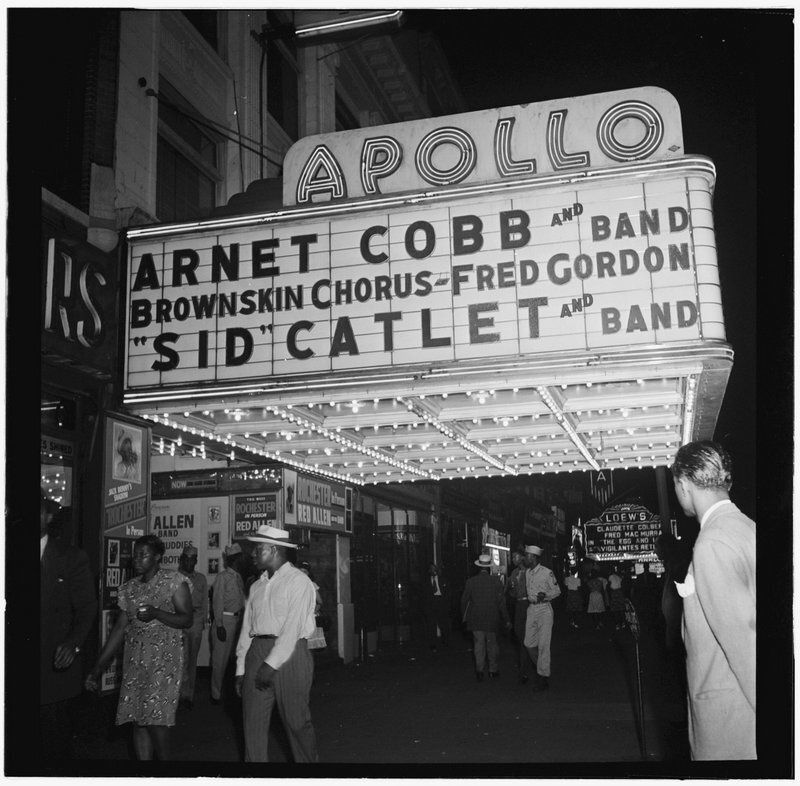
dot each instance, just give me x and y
(616, 599)
(228, 605)
(574, 599)
(155, 606)
(597, 605)
(719, 608)
(193, 636)
(542, 589)
(436, 607)
(483, 609)
(67, 611)
(518, 594)
(273, 663)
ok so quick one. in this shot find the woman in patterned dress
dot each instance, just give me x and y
(154, 607)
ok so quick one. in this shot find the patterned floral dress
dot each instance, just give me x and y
(153, 660)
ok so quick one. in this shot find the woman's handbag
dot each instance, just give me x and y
(316, 641)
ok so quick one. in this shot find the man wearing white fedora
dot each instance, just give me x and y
(542, 589)
(273, 663)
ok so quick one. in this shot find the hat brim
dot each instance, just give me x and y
(483, 564)
(270, 541)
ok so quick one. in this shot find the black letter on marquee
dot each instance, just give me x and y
(220, 260)
(532, 304)
(262, 255)
(168, 352)
(430, 240)
(231, 358)
(388, 336)
(514, 222)
(343, 339)
(291, 343)
(366, 254)
(467, 237)
(184, 262)
(303, 241)
(146, 275)
(475, 324)
(427, 340)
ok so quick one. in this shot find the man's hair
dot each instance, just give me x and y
(153, 542)
(706, 464)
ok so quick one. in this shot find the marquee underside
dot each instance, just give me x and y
(622, 409)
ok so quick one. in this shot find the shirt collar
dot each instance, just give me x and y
(708, 513)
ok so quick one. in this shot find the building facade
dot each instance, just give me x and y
(173, 116)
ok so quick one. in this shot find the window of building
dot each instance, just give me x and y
(282, 79)
(188, 165)
(205, 22)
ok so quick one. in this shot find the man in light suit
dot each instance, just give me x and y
(719, 608)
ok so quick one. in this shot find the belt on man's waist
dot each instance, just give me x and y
(538, 602)
(264, 636)
(232, 613)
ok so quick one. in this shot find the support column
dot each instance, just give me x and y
(344, 608)
(663, 499)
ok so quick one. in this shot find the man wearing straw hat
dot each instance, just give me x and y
(273, 663)
(542, 589)
(482, 609)
(228, 605)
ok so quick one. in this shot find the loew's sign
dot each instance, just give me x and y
(622, 532)
(582, 267)
(504, 144)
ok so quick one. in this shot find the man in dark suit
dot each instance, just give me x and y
(436, 607)
(68, 608)
(483, 609)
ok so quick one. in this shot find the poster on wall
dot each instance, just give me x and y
(126, 477)
(126, 496)
(197, 521)
(250, 511)
(289, 497)
(321, 505)
(110, 678)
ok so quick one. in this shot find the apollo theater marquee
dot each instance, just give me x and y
(513, 291)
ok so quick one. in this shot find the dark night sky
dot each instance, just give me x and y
(721, 66)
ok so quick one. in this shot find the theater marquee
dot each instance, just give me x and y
(544, 272)
(579, 268)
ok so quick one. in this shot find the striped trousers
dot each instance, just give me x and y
(290, 689)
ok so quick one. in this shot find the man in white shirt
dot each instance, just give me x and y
(719, 608)
(273, 663)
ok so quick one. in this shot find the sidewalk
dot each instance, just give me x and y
(407, 704)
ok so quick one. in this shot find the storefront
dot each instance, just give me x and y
(518, 291)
